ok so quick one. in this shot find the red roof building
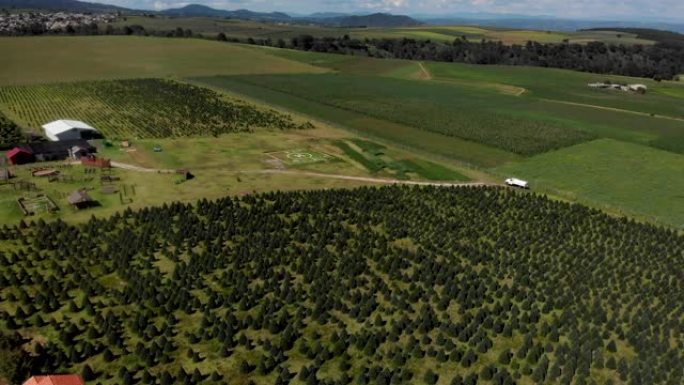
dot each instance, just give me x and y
(55, 379)
(20, 155)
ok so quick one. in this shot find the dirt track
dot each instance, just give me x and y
(131, 167)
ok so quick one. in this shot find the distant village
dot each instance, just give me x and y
(38, 23)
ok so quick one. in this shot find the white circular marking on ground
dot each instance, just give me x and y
(300, 155)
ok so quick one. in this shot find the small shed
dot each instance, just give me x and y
(77, 152)
(515, 182)
(20, 155)
(80, 199)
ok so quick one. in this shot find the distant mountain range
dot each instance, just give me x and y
(548, 23)
(196, 10)
(336, 19)
(373, 20)
(331, 19)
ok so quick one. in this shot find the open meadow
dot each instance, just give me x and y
(73, 58)
(614, 175)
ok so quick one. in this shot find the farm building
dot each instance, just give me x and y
(80, 199)
(44, 151)
(20, 155)
(69, 130)
(55, 379)
(515, 182)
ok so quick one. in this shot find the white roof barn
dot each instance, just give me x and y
(67, 130)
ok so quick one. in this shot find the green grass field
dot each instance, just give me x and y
(380, 160)
(110, 57)
(620, 176)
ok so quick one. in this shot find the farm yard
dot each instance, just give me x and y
(140, 108)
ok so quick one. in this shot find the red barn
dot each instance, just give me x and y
(55, 379)
(20, 155)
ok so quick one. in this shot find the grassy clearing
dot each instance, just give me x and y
(112, 57)
(467, 113)
(398, 134)
(139, 108)
(379, 159)
(612, 174)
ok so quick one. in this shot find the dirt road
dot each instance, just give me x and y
(131, 167)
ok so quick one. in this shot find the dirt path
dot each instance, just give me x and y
(613, 109)
(426, 74)
(126, 166)
(364, 179)
(131, 167)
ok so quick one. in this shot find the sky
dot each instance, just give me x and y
(585, 9)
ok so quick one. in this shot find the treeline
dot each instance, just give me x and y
(39, 28)
(659, 61)
(9, 132)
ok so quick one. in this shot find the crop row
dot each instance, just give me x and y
(141, 108)
(489, 118)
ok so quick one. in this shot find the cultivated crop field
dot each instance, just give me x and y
(466, 113)
(140, 108)
(388, 285)
(625, 177)
(663, 98)
(400, 134)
